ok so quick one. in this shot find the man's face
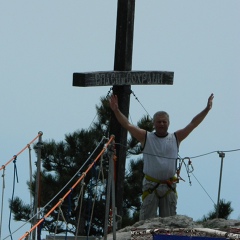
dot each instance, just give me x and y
(161, 124)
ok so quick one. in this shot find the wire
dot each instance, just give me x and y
(141, 104)
(203, 188)
(96, 113)
(201, 155)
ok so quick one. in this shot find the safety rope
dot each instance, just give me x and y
(39, 232)
(95, 195)
(90, 203)
(81, 194)
(56, 195)
(74, 176)
(30, 178)
(12, 159)
(68, 192)
(15, 177)
(56, 226)
(69, 213)
(60, 213)
(3, 190)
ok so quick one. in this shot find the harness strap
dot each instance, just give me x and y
(168, 182)
(171, 180)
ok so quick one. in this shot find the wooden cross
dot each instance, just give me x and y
(121, 79)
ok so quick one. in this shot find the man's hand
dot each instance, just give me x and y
(113, 102)
(210, 101)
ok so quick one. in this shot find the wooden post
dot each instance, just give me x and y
(123, 62)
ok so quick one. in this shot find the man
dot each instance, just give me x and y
(160, 152)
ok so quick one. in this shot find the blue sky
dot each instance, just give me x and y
(43, 43)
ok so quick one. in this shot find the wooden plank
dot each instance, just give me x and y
(103, 78)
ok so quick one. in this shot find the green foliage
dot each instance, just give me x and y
(224, 211)
(25, 209)
(63, 163)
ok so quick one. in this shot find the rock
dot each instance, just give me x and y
(170, 224)
(220, 223)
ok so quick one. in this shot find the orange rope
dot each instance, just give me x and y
(77, 182)
(14, 157)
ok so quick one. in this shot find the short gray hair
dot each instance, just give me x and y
(160, 113)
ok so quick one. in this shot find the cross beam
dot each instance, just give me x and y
(120, 78)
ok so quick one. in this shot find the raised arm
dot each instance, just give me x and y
(183, 133)
(136, 132)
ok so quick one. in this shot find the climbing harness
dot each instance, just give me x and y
(171, 181)
(168, 182)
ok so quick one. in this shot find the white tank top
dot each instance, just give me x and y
(160, 155)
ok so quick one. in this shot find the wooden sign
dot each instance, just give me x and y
(102, 78)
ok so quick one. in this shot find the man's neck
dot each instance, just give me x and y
(161, 135)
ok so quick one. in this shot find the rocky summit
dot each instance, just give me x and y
(179, 225)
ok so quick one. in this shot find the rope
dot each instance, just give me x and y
(40, 231)
(76, 174)
(12, 159)
(76, 183)
(58, 216)
(90, 206)
(15, 177)
(80, 209)
(95, 195)
(69, 213)
(30, 178)
(3, 190)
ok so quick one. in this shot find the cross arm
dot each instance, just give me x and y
(109, 78)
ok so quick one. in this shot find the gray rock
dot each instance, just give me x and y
(220, 223)
(173, 222)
